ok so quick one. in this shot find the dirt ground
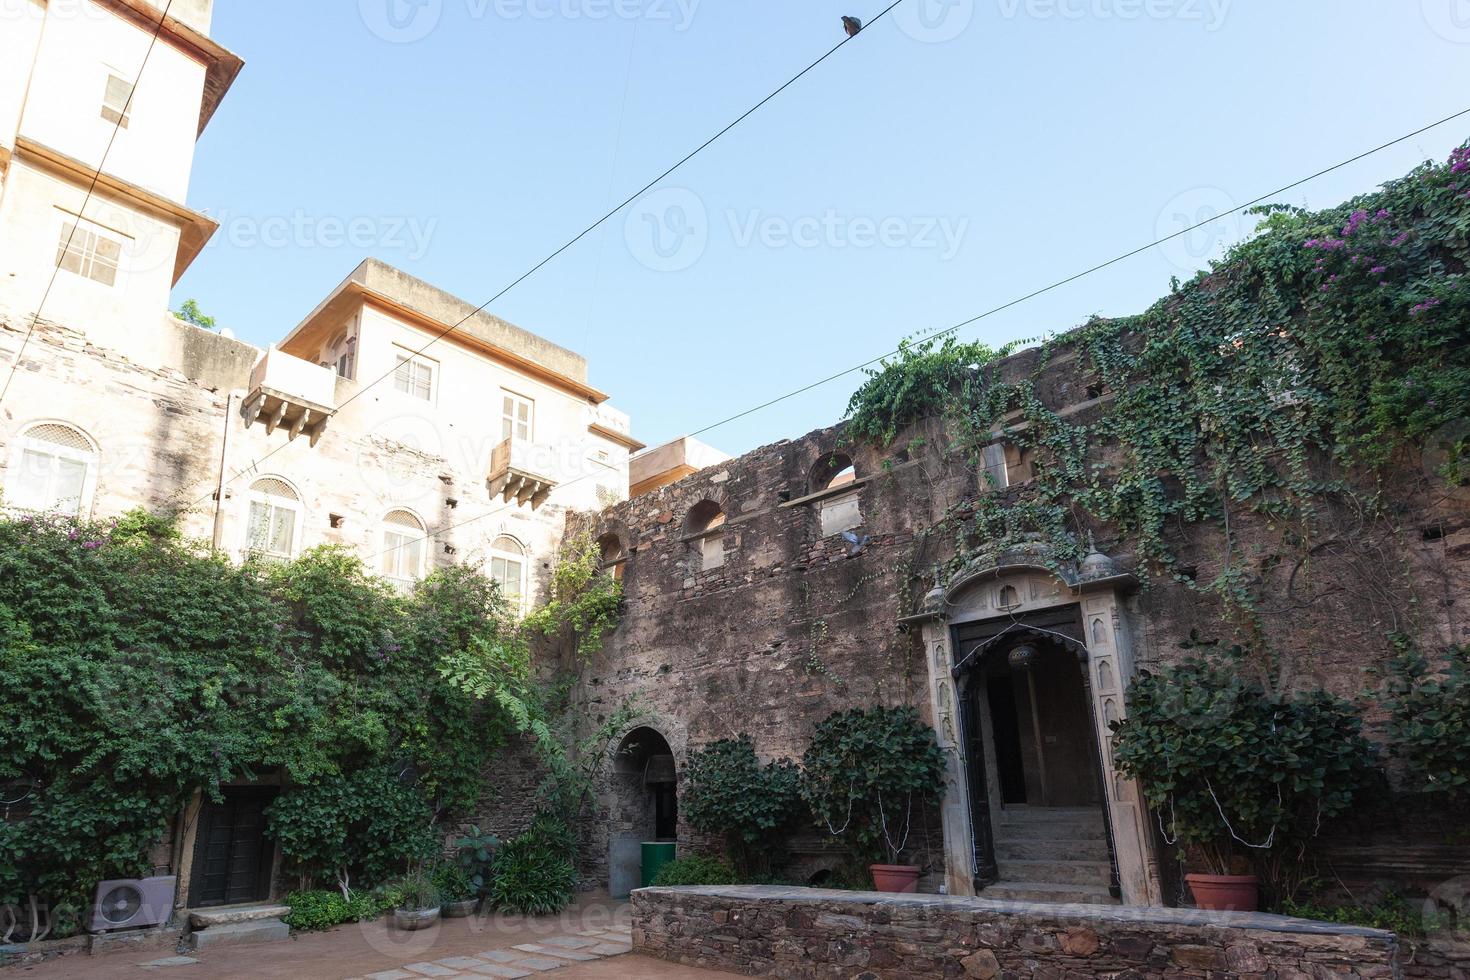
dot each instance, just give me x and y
(366, 948)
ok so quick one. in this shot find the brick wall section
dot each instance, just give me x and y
(813, 935)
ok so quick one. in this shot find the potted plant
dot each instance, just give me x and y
(861, 776)
(1241, 779)
(419, 906)
(457, 897)
(475, 852)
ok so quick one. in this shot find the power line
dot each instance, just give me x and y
(82, 212)
(593, 226)
(1007, 305)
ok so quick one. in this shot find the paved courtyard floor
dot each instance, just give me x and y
(589, 940)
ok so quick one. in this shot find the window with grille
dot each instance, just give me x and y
(88, 253)
(116, 101)
(53, 469)
(414, 376)
(516, 414)
(274, 515)
(508, 569)
(403, 546)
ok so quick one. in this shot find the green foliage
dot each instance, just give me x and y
(1429, 721)
(316, 910)
(697, 869)
(1393, 912)
(475, 853)
(534, 873)
(417, 891)
(1288, 375)
(862, 771)
(453, 883)
(191, 313)
(1237, 776)
(922, 381)
(137, 668)
(365, 826)
(730, 792)
(585, 602)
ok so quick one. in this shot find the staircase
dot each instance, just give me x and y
(1052, 854)
(237, 925)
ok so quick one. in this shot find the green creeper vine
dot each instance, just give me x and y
(1299, 366)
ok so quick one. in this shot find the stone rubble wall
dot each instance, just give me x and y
(807, 934)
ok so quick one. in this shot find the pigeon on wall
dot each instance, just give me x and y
(851, 25)
(859, 542)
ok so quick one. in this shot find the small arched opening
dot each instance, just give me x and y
(705, 531)
(645, 805)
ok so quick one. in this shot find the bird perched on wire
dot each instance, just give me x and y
(859, 543)
(851, 25)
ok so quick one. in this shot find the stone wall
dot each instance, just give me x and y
(813, 934)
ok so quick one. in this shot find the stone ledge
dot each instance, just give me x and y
(817, 934)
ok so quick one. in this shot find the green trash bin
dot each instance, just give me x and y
(656, 854)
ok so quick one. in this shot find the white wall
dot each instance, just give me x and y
(81, 45)
(20, 37)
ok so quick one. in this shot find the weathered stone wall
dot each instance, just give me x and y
(816, 934)
(793, 626)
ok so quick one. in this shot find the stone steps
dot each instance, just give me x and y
(239, 934)
(1052, 849)
(237, 925)
(1046, 891)
(1090, 873)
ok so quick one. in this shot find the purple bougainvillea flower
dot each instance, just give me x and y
(1378, 270)
(1400, 239)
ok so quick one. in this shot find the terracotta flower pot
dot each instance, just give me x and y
(895, 877)
(1225, 893)
(410, 920)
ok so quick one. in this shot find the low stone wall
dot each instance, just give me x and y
(812, 933)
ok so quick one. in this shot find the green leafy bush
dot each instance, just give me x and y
(697, 869)
(728, 791)
(453, 883)
(417, 891)
(924, 379)
(1429, 722)
(1392, 912)
(1240, 778)
(475, 852)
(533, 875)
(863, 772)
(366, 826)
(315, 910)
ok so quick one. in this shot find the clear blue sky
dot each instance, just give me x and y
(911, 181)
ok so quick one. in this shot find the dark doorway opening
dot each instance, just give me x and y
(1011, 770)
(232, 854)
(645, 805)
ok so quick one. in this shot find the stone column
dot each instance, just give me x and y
(954, 809)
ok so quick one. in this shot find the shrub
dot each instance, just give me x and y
(314, 910)
(1429, 722)
(728, 791)
(475, 852)
(533, 875)
(863, 770)
(697, 869)
(1239, 777)
(453, 883)
(417, 891)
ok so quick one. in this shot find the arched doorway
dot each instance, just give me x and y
(644, 804)
(1035, 777)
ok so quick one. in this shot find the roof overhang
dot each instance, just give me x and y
(221, 65)
(306, 339)
(613, 435)
(195, 229)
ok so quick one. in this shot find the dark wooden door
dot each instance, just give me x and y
(232, 855)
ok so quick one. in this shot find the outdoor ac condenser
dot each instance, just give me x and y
(132, 903)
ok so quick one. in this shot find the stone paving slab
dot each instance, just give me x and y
(430, 969)
(392, 975)
(568, 942)
(610, 949)
(565, 954)
(540, 964)
(500, 970)
(460, 962)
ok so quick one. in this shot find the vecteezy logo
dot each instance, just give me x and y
(1450, 19)
(1203, 222)
(934, 21)
(667, 230)
(401, 21)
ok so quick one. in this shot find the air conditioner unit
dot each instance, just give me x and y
(133, 903)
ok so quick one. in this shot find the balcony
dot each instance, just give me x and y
(514, 474)
(289, 393)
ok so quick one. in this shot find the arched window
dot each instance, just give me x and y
(273, 520)
(610, 550)
(341, 354)
(832, 471)
(705, 530)
(53, 468)
(404, 541)
(508, 569)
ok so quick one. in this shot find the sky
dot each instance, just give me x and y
(956, 155)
